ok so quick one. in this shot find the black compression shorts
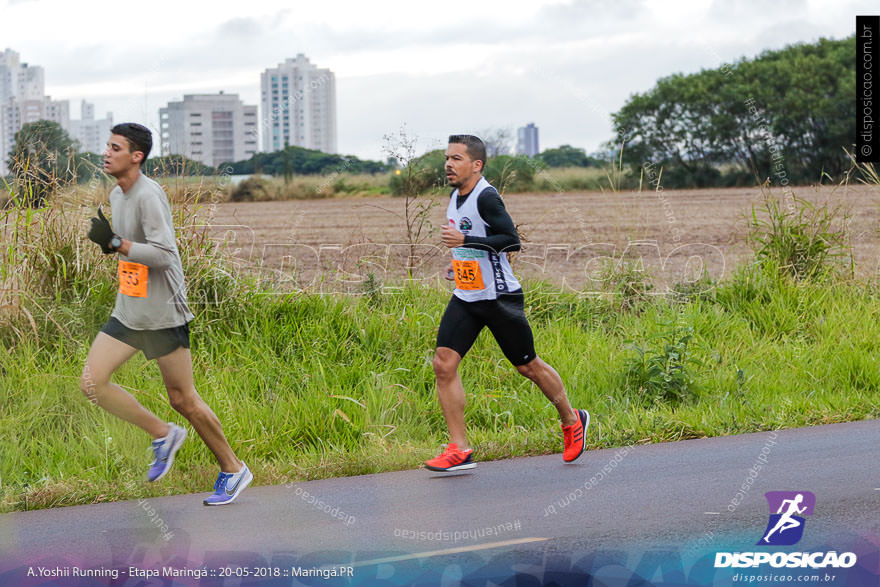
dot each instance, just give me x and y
(154, 343)
(505, 317)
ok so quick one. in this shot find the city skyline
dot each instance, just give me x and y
(566, 66)
(23, 100)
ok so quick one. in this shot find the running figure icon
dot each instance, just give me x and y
(787, 521)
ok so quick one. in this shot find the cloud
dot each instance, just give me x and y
(249, 28)
(756, 12)
(583, 17)
(587, 10)
(434, 106)
(564, 65)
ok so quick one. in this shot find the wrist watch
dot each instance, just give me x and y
(115, 242)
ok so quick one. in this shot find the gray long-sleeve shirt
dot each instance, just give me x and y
(143, 216)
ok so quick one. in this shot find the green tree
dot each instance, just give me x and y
(565, 156)
(787, 114)
(292, 161)
(419, 175)
(89, 166)
(42, 160)
(509, 173)
(175, 166)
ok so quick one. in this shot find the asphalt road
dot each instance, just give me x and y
(650, 511)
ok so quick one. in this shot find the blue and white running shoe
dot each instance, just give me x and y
(229, 485)
(164, 449)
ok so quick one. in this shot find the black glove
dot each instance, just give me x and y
(101, 232)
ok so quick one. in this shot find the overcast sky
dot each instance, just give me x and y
(438, 67)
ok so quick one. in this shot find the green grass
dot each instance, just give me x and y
(311, 386)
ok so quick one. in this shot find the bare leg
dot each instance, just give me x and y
(450, 392)
(549, 382)
(176, 368)
(105, 356)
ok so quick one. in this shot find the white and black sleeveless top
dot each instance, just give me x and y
(480, 273)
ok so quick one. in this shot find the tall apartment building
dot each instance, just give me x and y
(15, 113)
(527, 140)
(18, 80)
(9, 63)
(298, 102)
(22, 100)
(210, 128)
(92, 134)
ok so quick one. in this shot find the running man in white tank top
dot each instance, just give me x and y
(480, 231)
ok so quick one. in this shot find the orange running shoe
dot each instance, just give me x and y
(574, 436)
(452, 459)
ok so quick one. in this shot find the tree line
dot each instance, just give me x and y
(301, 161)
(786, 115)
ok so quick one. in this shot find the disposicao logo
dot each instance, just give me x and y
(785, 528)
(787, 508)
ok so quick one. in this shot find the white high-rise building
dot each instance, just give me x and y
(298, 102)
(9, 64)
(23, 100)
(30, 82)
(18, 80)
(527, 140)
(16, 113)
(56, 111)
(209, 128)
(92, 134)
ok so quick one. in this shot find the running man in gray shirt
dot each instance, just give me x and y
(151, 315)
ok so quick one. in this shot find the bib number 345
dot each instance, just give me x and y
(467, 274)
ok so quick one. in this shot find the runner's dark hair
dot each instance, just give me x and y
(476, 150)
(138, 136)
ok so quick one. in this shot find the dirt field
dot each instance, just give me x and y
(335, 244)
